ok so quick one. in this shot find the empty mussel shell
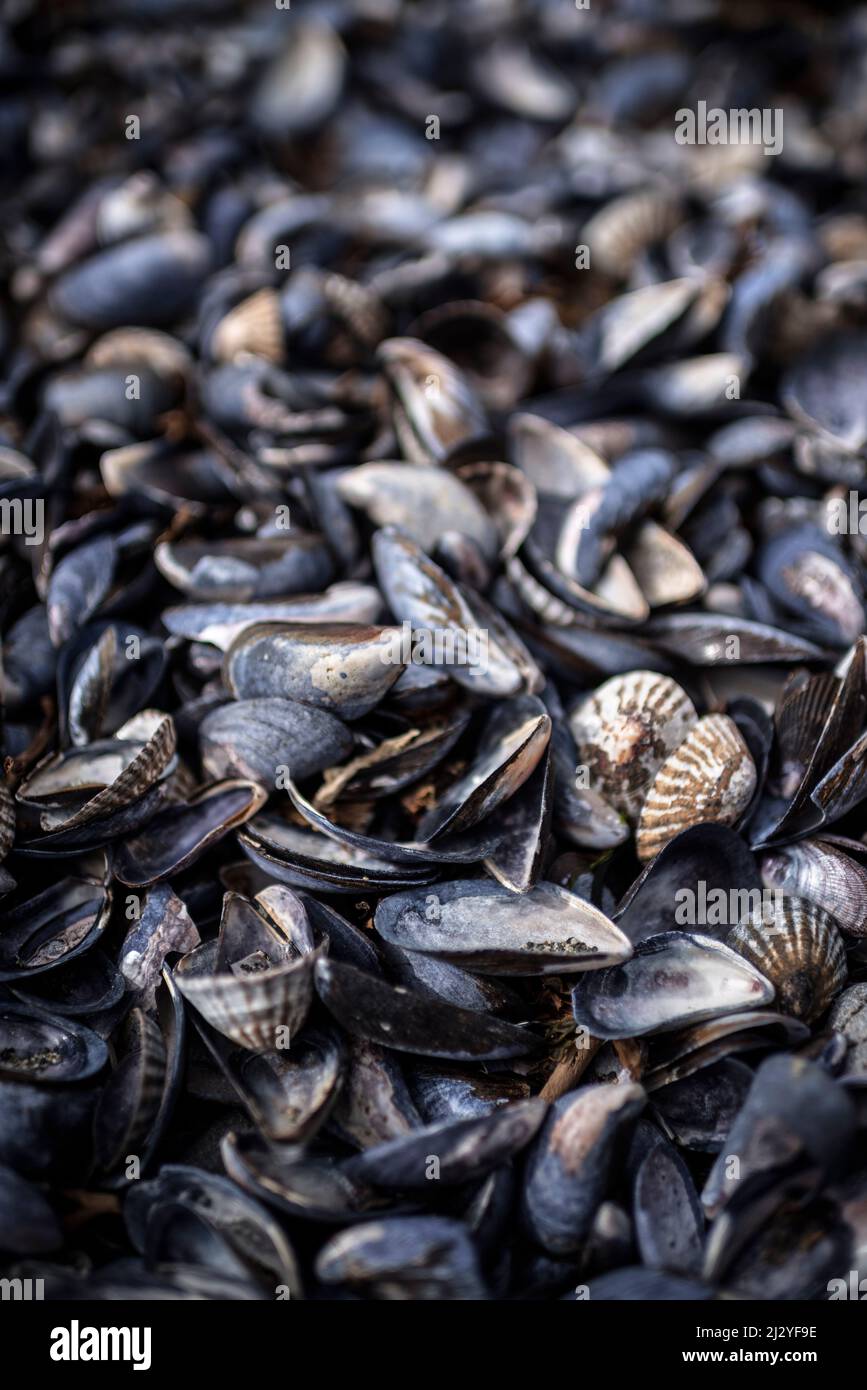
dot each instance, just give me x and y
(149, 280)
(345, 668)
(690, 883)
(394, 763)
(288, 1092)
(407, 1021)
(256, 738)
(669, 1222)
(452, 1151)
(241, 570)
(308, 860)
(439, 618)
(685, 1052)
(221, 623)
(448, 1092)
(426, 503)
(418, 1258)
(53, 928)
(698, 1111)
(673, 979)
(37, 1046)
(569, 1164)
(316, 1189)
(512, 743)
(795, 1114)
(374, 1104)
(181, 833)
(485, 927)
(247, 1225)
(436, 400)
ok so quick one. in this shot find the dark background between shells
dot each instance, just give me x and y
(272, 354)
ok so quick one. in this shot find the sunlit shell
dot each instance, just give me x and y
(626, 730)
(710, 777)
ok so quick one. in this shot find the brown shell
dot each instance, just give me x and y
(626, 226)
(7, 820)
(626, 730)
(710, 777)
(799, 950)
(254, 325)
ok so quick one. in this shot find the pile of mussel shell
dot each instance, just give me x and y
(433, 816)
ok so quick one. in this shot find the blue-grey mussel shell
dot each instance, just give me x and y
(370, 1008)
(568, 1167)
(150, 280)
(450, 1151)
(341, 667)
(254, 738)
(672, 979)
(485, 927)
(419, 1258)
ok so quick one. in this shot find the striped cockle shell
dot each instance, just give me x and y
(254, 325)
(796, 945)
(710, 777)
(626, 226)
(823, 874)
(7, 820)
(626, 730)
(249, 1008)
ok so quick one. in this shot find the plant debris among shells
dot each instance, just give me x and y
(434, 676)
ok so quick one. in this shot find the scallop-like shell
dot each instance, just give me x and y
(252, 1007)
(797, 946)
(710, 777)
(627, 226)
(7, 820)
(626, 730)
(824, 875)
(254, 325)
